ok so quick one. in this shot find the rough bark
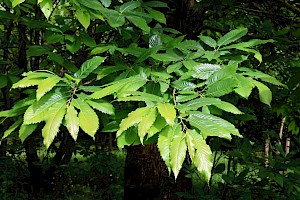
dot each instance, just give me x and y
(147, 178)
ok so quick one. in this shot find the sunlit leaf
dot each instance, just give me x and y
(177, 151)
(116, 86)
(72, 121)
(245, 86)
(200, 153)
(54, 117)
(102, 105)
(146, 123)
(46, 7)
(88, 119)
(167, 111)
(204, 101)
(83, 17)
(133, 118)
(157, 126)
(221, 87)
(265, 94)
(35, 112)
(16, 2)
(164, 143)
(46, 85)
(210, 125)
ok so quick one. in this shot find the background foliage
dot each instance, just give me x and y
(191, 77)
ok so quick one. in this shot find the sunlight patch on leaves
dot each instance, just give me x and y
(72, 121)
(133, 118)
(167, 111)
(54, 117)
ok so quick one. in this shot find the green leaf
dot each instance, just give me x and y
(32, 78)
(200, 153)
(183, 85)
(165, 57)
(37, 50)
(72, 121)
(256, 53)
(19, 108)
(107, 90)
(221, 87)
(114, 18)
(83, 17)
(101, 49)
(88, 67)
(157, 126)
(203, 71)
(203, 101)
(164, 143)
(140, 96)
(129, 6)
(27, 82)
(208, 40)
(12, 128)
(106, 70)
(174, 67)
(157, 4)
(189, 44)
(245, 86)
(227, 71)
(133, 118)
(232, 36)
(248, 44)
(212, 55)
(186, 97)
(167, 111)
(131, 87)
(265, 94)
(128, 137)
(35, 112)
(46, 85)
(147, 53)
(88, 119)
(93, 4)
(139, 22)
(16, 2)
(57, 59)
(116, 86)
(158, 16)
(177, 151)
(54, 117)
(146, 123)
(210, 125)
(26, 130)
(4, 80)
(106, 3)
(46, 7)
(102, 106)
(262, 76)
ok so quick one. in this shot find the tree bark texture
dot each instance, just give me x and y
(147, 177)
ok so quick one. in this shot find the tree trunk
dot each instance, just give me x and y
(56, 182)
(147, 177)
(36, 174)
